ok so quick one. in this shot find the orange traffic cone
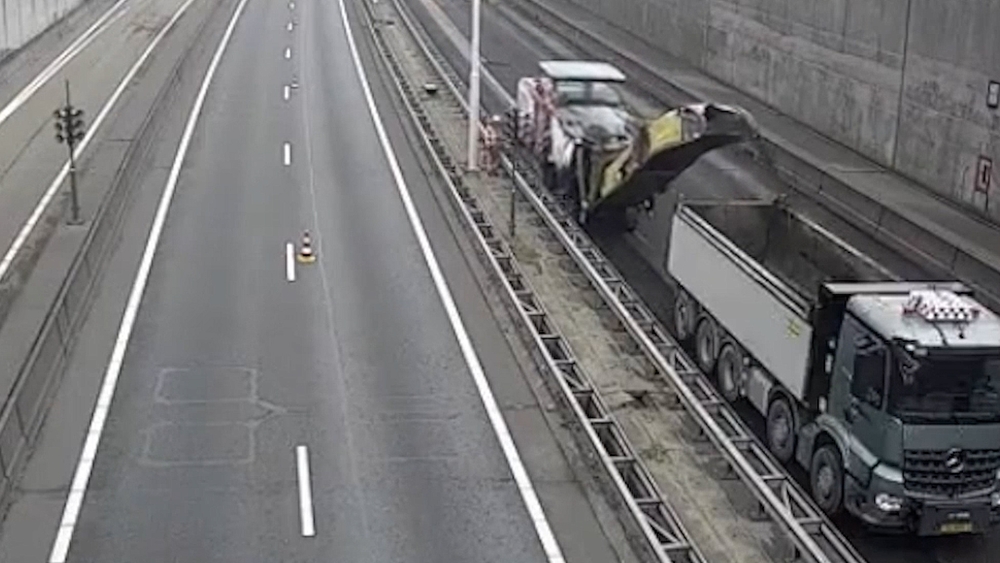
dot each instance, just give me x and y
(306, 253)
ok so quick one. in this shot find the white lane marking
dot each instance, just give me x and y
(548, 540)
(288, 52)
(50, 192)
(74, 502)
(290, 26)
(288, 154)
(305, 492)
(291, 5)
(102, 24)
(288, 91)
(290, 262)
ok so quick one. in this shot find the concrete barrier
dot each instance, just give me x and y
(24, 409)
(23, 20)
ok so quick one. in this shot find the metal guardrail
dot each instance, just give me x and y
(663, 534)
(891, 228)
(813, 535)
(26, 405)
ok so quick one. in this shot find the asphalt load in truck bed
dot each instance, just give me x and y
(717, 511)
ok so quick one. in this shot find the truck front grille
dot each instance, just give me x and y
(929, 471)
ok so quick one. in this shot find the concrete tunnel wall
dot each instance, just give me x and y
(22, 20)
(840, 66)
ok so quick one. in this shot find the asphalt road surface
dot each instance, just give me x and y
(512, 47)
(269, 410)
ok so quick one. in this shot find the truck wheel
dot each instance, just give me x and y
(706, 345)
(781, 429)
(727, 372)
(826, 477)
(684, 316)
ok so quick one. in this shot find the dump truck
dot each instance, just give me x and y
(592, 149)
(886, 392)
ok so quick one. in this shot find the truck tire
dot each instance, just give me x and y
(826, 478)
(727, 371)
(781, 429)
(685, 316)
(706, 345)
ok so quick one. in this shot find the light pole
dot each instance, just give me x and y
(474, 90)
(69, 130)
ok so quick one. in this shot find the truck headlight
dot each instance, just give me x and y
(888, 503)
(995, 499)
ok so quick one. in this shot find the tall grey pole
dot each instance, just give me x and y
(474, 90)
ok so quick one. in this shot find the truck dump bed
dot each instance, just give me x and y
(799, 252)
(757, 268)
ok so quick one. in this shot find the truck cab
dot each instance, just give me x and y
(909, 395)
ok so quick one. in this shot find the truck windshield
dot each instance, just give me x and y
(945, 388)
(579, 92)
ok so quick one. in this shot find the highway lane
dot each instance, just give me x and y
(231, 367)
(512, 47)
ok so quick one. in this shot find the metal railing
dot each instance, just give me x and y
(651, 518)
(26, 405)
(813, 535)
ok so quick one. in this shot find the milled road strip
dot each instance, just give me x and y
(305, 492)
(50, 193)
(107, 19)
(550, 545)
(78, 488)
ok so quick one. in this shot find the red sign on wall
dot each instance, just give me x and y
(984, 174)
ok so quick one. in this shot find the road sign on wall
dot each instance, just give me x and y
(984, 174)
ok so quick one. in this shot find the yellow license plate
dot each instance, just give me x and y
(956, 527)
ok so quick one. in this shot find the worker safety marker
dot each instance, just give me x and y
(306, 253)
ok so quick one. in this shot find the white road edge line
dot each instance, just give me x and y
(287, 92)
(305, 492)
(288, 154)
(102, 24)
(290, 262)
(78, 488)
(549, 543)
(50, 193)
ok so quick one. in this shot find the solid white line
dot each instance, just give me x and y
(50, 193)
(60, 547)
(288, 154)
(305, 492)
(288, 91)
(548, 540)
(102, 24)
(290, 262)
(288, 52)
